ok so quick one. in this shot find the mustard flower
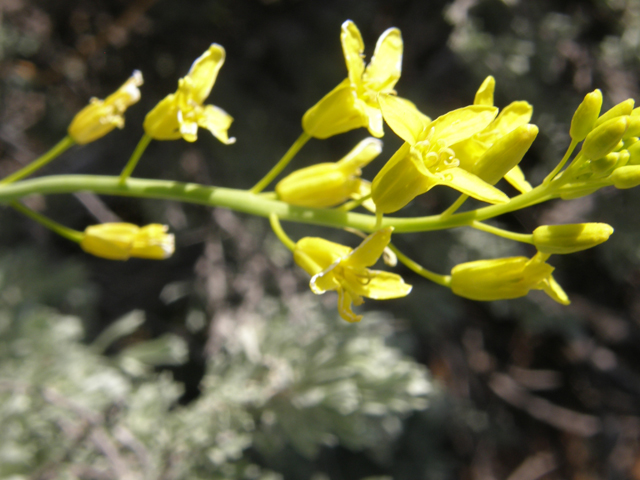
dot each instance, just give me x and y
(338, 267)
(101, 116)
(120, 241)
(426, 159)
(329, 184)
(353, 103)
(506, 278)
(492, 153)
(180, 114)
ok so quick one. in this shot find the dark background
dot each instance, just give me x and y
(530, 388)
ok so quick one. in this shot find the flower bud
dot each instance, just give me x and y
(505, 154)
(101, 116)
(120, 241)
(604, 165)
(626, 177)
(619, 110)
(560, 239)
(337, 112)
(604, 138)
(403, 178)
(586, 115)
(634, 127)
(634, 154)
(329, 184)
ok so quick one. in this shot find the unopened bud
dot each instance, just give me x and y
(623, 108)
(586, 115)
(505, 154)
(560, 239)
(604, 138)
(634, 127)
(634, 154)
(626, 177)
(605, 164)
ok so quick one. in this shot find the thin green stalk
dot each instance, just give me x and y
(284, 161)
(444, 280)
(282, 236)
(556, 170)
(347, 207)
(518, 237)
(68, 233)
(135, 157)
(40, 162)
(454, 206)
(247, 202)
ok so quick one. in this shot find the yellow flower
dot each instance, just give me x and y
(506, 278)
(120, 241)
(329, 184)
(180, 114)
(337, 267)
(493, 153)
(353, 103)
(101, 116)
(426, 159)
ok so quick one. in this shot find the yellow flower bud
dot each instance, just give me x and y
(626, 177)
(505, 278)
(101, 116)
(604, 138)
(560, 239)
(329, 184)
(505, 154)
(120, 241)
(634, 127)
(634, 154)
(621, 109)
(586, 116)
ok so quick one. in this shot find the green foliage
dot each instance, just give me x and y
(69, 412)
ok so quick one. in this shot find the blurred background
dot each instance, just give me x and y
(219, 363)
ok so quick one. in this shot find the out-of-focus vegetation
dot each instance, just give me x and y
(222, 380)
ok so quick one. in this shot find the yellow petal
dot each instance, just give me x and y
(315, 254)
(555, 291)
(403, 118)
(378, 285)
(472, 185)
(368, 252)
(460, 124)
(153, 242)
(484, 95)
(512, 116)
(217, 121)
(326, 280)
(352, 48)
(204, 71)
(516, 178)
(109, 240)
(344, 307)
(363, 153)
(383, 71)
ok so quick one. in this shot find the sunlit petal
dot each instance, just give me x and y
(368, 252)
(385, 66)
(352, 48)
(403, 118)
(472, 185)
(204, 71)
(217, 121)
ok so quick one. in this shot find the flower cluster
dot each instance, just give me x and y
(470, 149)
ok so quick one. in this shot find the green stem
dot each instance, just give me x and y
(444, 280)
(68, 233)
(347, 207)
(556, 170)
(54, 152)
(454, 206)
(518, 237)
(247, 202)
(282, 236)
(284, 161)
(135, 157)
